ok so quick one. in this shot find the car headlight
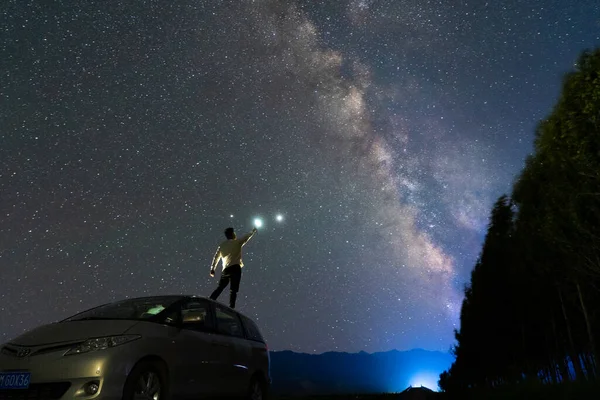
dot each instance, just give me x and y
(101, 344)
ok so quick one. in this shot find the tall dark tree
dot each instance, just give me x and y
(527, 313)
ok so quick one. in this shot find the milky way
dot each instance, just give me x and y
(381, 132)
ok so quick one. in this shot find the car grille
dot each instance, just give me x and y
(22, 351)
(8, 351)
(37, 391)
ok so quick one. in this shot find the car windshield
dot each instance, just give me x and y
(132, 309)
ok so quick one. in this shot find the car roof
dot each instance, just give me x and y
(184, 297)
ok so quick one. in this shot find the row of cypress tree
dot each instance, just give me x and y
(531, 312)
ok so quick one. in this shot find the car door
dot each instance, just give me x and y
(259, 361)
(197, 357)
(234, 351)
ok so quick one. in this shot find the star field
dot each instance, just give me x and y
(134, 133)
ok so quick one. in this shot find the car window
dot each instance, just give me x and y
(195, 314)
(133, 309)
(252, 331)
(228, 322)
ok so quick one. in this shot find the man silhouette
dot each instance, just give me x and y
(230, 251)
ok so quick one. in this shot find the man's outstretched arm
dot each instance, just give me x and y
(247, 236)
(215, 261)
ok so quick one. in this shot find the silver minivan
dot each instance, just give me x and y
(164, 347)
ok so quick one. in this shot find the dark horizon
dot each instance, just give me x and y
(348, 373)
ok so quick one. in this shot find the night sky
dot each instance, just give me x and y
(133, 133)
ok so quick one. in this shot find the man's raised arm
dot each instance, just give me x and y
(247, 236)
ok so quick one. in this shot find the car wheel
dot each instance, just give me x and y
(147, 381)
(256, 391)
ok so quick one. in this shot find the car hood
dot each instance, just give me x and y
(73, 331)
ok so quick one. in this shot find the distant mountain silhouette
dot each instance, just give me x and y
(343, 373)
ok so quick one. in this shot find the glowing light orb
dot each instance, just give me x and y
(258, 222)
(279, 217)
(231, 216)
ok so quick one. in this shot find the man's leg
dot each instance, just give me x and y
(223, 281)
(236, 277)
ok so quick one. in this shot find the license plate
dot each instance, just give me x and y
(14, 380)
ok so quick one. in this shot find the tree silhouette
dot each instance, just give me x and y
(527, 315)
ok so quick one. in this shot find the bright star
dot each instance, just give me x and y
(279, 217)
(258, 222)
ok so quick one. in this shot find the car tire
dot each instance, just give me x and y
(256, 390)
(147, 381)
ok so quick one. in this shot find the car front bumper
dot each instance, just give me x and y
(56, 376)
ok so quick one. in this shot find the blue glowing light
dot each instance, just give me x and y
(427, 379)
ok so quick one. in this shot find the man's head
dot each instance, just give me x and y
(229, 233)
